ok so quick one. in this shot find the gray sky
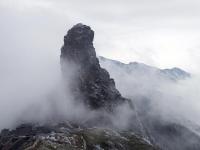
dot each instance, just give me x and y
(163, 33)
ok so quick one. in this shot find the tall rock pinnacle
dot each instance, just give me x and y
(97, 89)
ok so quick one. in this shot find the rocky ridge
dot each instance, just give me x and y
(66, 136)
(95, 89)
(93, 83)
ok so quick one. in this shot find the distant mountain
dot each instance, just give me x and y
(140, 82)
(175, 73)
(141, 68)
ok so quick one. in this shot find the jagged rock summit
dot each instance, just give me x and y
(96, 89)
(94, 84)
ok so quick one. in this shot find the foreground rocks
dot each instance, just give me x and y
(66, 136)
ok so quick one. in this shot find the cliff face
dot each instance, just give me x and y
(93, 83)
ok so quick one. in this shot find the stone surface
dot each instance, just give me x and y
(94, 84)
(66, 136)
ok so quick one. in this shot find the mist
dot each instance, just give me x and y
(172, 101)
(32, 89)
(26, 79)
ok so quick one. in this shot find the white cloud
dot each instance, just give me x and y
(157, 32)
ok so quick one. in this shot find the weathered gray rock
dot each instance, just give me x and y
(94, 84)
(66, 136)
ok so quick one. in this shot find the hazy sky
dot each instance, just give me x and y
(163, 33)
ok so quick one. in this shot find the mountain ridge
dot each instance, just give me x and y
(91, 86)
(174, 73)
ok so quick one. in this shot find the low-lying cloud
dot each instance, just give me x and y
(173, 101)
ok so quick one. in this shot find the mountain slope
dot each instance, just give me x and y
(66, 136)
(143, 84)
(117, 123)
(92, 87)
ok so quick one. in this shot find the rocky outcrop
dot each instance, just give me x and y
(93, 86)
(93, 83)
(167, 134)
(66, 136)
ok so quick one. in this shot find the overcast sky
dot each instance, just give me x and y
(163, 33)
